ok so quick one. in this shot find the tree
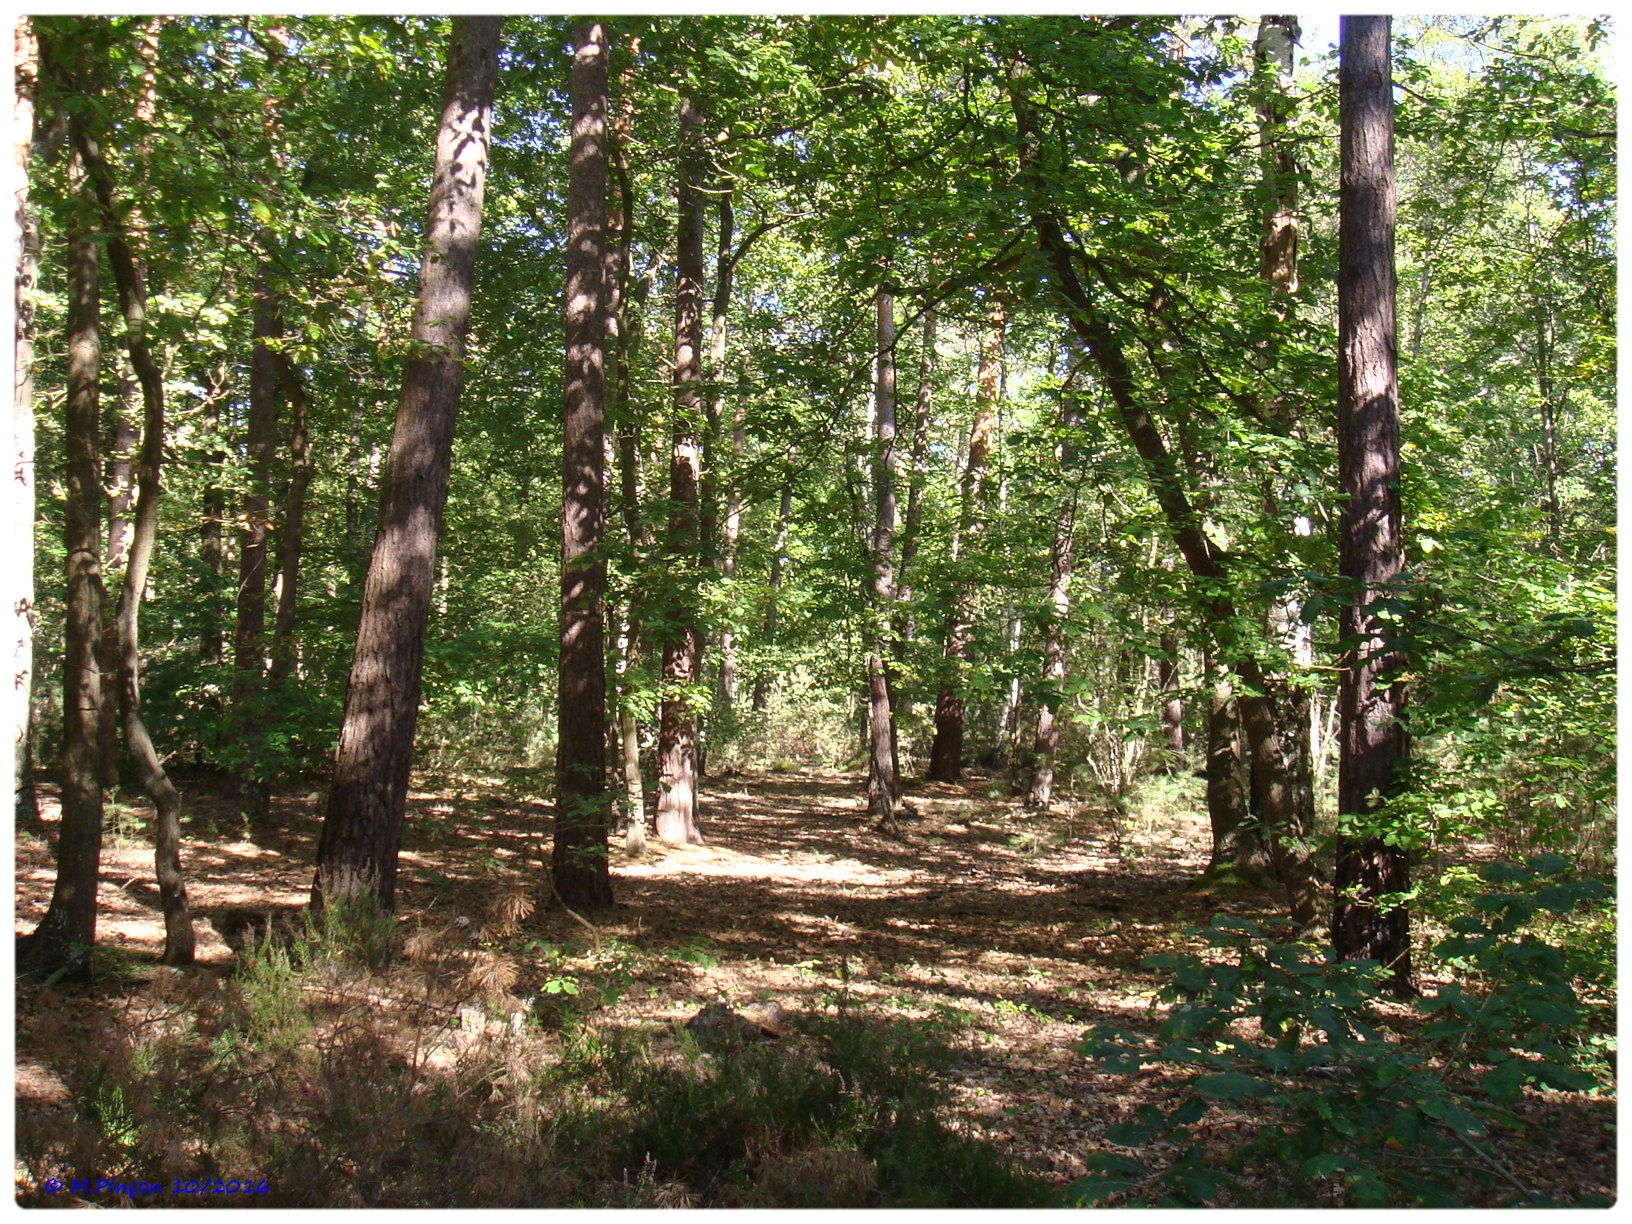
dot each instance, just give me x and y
(946, 751)
(67, 933)
(681, 634)
(19, 590)
(579, 862)
(362, 826)
(881, 772)
(1369, 919)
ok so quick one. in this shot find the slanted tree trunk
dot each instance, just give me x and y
(131, 281)
(1373, 743)
(579, 859)
(946, 751)
(66, 934)
(1293, 862)
(882, 783)
(682, 645)
(1040, 790)
(18, 594)
(362, 827)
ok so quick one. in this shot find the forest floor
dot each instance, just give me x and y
(1006, 933)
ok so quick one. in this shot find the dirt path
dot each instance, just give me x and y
(1008, 933)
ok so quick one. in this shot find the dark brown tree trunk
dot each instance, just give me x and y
(1293, 861)
(1040, 790)
(1167, 683)
(882, 782)
(1373, 744)
(1237, 845)
(292, 536)
(682, 645)
(250, 712)
(784, 513)
(18, 597)
(66, 934)
(211, 643)
(917, 480)
(579, 859)
(362, 827)
(946, 751)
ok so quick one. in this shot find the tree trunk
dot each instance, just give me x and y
(784, 512)
(1040, 791)
(946, 751)
(131, 281)
(292, 537)
(907, 630)
(1373, 744)
(19, 580)
(1167, 682)
(1237, 845)
(211, 643)
(882, 780)
(682, 646)
(250, 712)
(579, 860)
(68, 931)
(362, 827)
(1294, 864)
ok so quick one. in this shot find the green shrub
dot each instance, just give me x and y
(1346, 1110)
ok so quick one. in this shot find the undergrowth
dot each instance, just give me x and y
(336, 1075)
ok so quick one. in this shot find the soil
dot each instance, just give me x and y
(1011, 932)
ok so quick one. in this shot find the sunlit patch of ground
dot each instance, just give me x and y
(1008, 933)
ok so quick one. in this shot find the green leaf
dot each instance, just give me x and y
(1323, 1165)
(1232, 1086)
(1506, 1083)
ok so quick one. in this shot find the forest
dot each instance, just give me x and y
(796, 611)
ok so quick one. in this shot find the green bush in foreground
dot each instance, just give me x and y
(1346, 1111)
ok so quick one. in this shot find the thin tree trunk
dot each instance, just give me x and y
(1040, 791)
(292, 537)
(131, 281)
(68, 931)
(1293, 861)
(682, 647)
(1167, 682)
(19, 581)
(917, 480)
(579, 859)
(882, 782)
(211, 642)
(362, 827)
(250, 713)
(784, 513)
(1237, 845)
(946, 751)
(1373, 744)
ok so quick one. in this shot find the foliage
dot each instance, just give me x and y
(1347, 1107)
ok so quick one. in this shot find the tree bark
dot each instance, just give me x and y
(292, 536)
(1372, 743)
(250, 713)
(19, 581)
(946, 750)
(682, 646)
(882, 781)
(131, 281)
(1237, 845)
(67, 933)
(211, 641)
(784, 513)
(1040, 789)
(1167, 682)
(362, 827)
(917, 480)
(579, 859)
